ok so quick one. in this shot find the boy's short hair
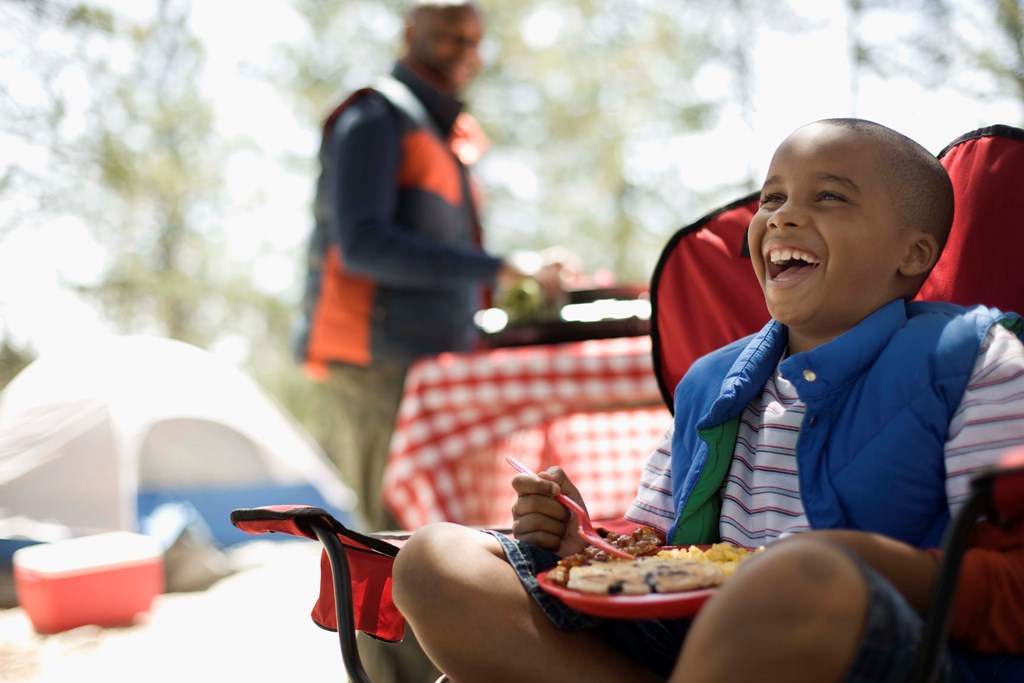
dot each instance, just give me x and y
(920, 188)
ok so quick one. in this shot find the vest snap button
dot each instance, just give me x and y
(809, 375)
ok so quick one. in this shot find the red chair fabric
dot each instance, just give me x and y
(704, 293)
(370, 559)
(980, 263)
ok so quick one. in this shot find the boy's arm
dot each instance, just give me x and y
(652, 506)
(988, 611)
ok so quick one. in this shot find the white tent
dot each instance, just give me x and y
(93, 439)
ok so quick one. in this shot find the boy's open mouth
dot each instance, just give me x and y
(788, 264)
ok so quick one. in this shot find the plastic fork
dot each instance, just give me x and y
(587, 530)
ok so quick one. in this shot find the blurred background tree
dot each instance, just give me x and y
(976, 46)
(574, 96)
(117, 146)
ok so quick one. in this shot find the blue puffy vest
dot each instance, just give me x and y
(879, 401)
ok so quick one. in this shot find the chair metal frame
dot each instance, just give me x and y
(341, 579)
(1002, 483)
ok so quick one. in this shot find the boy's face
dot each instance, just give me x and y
(826, 243)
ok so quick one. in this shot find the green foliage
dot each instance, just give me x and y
(86, 16)
(575, 90)
(159, 174)
(1007, 64)
(144, 169)
(571, 95)
(13, 360)
(976, 46)
(575, 96)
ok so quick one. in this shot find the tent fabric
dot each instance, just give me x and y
(93, 438)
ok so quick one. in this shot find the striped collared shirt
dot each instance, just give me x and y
(761, 494)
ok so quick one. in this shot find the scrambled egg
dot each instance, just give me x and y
(725, 556)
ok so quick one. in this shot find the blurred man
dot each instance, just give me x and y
(397, 267)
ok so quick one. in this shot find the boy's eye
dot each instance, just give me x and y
(830, 196)
(771, 198)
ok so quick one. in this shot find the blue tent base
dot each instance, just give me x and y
(212, 507)
(209, 509)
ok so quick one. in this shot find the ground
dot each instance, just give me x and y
(252, 626)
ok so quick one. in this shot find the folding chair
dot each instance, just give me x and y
(355, 575)
(704, 295)
(997, 493)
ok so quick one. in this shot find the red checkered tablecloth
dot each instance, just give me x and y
(592, 407)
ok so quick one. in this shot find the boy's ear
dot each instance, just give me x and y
(921, 255)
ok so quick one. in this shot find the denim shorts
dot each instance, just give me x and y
(886, 653)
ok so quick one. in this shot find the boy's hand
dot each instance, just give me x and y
(539, 519)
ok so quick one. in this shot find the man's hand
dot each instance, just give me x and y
(508, 275)
(548, 276)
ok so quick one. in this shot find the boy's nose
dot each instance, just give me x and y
(786, 216)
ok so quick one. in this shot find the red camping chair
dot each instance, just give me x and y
(704, 295)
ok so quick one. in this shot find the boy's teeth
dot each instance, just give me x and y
(783, 255)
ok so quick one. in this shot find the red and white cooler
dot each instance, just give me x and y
(108, 579)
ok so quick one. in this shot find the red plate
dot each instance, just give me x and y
(647, 606)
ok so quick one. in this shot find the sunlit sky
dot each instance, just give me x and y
(799, 77)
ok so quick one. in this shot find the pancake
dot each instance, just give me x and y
(644, 575)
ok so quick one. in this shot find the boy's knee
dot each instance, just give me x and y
(432, 562)
(415, 568)
(803, 577)
(802, 603)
